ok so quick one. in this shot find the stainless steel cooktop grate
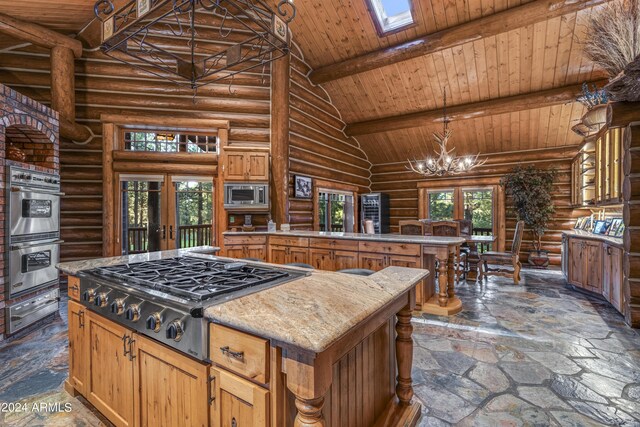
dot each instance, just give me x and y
(197, 279)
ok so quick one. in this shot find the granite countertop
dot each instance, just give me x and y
(313, 312)
(75, 267)
(591, 236)
(394, 238)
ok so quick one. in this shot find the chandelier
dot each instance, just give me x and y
(445, 161)
(248, 35)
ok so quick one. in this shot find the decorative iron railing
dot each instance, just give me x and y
(188, 236)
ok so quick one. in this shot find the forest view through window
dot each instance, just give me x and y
(478, 207)
(441, 205)
(336, 212)
(170, 142)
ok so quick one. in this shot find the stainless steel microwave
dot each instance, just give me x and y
(246, 196)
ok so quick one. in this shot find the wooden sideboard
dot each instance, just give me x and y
(594, 263)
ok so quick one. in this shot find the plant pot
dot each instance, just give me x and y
(596, 116)
(539, 259)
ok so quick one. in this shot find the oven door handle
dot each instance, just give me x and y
(33, 245)
(37, 191)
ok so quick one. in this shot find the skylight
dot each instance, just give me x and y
(391, 15)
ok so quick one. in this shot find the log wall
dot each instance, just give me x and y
(319, 147)
(401, 185)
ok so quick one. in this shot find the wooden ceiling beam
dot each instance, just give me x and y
(490, 107)
(491, 25)
(38, 35)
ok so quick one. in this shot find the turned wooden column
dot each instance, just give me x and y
(404, 355)
(309, 413)
(443, 282)
(63, 93)
(280, 140)
(451, 275)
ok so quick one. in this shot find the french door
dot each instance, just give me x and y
(161, 212)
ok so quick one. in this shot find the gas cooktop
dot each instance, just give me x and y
(196, 279)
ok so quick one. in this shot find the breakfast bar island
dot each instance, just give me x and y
(314, 348)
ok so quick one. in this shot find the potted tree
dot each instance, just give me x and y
(530, 191)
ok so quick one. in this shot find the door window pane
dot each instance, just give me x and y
(478, 207)
(194, 213)
(335, 212)
(441, 205)
(141, 216)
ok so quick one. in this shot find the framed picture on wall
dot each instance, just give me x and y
(303, 187)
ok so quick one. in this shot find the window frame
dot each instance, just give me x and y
(451, 190)
(177, 132)
(493, 202)
(321, 186)
(382, 32)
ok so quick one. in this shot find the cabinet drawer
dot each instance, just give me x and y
(339, 244)
(245, 240)
(302, 242)
(390, 248)
(239, 352)
(73, 288)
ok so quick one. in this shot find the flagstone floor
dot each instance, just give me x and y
(534, 355)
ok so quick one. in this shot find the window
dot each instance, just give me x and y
(390, 15)
(335, 211)
(170, 142)
(441, 205)
(478, 207)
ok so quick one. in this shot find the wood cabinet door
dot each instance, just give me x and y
(343, 260)
(170, 389)
(255, 251)
(298, 255)
(235, 252)
(606, 272)
(278, 254)
(403, 261)
(576, 264)
(235, 168)
(78, 347)
(371, 261)
(237, 402)
(257, 166)
(593, 277)
(616, 297)
(110, 384)
(321, 259)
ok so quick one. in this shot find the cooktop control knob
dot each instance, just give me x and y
(117, 306)
(175, 330)
(133, 312)
(101, 299)
(89, 295)
(154, 322)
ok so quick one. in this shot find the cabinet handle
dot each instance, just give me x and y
(212, 382)
(81, 319)
(131, 355)
(164, 232)
(171, 232)
(238, 355)
(124, 344)
(234, 423)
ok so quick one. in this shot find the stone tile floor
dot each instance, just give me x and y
(538, 354)
(534, 355)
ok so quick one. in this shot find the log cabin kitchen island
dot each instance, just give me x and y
(322, 349)
(334, 251)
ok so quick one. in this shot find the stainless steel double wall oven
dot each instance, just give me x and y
(33, 248)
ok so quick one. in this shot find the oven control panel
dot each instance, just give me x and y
(28, 178)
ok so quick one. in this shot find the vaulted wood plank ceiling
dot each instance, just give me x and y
(540, 56)
(536, 57)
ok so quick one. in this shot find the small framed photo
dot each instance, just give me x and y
(303, 187)
(600, 227)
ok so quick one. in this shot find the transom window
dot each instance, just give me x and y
(170, 142)
(391, 15)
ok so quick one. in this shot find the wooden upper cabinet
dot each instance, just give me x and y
(110, 366)
(237, 402)
(78, 346)
(170, 389)
(246, 166)
(609, 167)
